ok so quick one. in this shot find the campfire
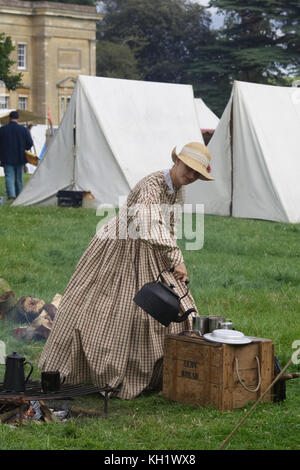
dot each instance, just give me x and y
(35, 411)
(36, 405)
(33, 403)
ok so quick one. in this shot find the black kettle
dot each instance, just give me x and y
(14, 379)
(162, 302)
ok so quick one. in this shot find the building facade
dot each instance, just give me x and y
(54, 43)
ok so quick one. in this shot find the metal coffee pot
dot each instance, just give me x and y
(162, 302)
(14, 379)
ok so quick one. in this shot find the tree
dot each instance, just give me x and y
(258, 43)
(6, 47)
(253, 36)
(116, 60)
(286, 15)
(164, 35)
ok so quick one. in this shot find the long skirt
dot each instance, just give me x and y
(100, 335)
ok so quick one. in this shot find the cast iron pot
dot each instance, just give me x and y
(14, 379)
(162, 302)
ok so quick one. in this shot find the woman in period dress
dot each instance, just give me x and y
(99, 334)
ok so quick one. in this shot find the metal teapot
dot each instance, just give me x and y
(162, 302)
(14, 379)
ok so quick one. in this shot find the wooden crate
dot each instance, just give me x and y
(200, 372)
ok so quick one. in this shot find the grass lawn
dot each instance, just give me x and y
(248, 271)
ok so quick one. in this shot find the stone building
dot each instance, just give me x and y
(54, 43)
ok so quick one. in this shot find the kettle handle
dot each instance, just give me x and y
(170, 271)
(187, 281)
(27, 362)
(184, 315)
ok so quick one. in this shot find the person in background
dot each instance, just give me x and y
(14, 140)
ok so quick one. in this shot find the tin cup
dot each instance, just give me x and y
(200, 324)
(51, 381)
(226, 325)
(215, 322)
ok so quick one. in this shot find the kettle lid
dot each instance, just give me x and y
(169, 289)
(16, 356)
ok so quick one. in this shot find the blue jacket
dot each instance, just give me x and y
(14, 140)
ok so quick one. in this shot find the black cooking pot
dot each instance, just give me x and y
(14, 379)
(162, 302)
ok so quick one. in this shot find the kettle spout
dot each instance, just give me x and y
(184, 315)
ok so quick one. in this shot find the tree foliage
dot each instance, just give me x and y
(116, 60)
(259, 42)
(163, 34)
(260, 38)
(6, 47)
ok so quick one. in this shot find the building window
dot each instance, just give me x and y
(22, 102)
(22, 53)
(3, 102)
(64, 101)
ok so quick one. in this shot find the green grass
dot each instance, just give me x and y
(248, 271)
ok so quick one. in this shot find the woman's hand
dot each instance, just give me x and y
(180, 272)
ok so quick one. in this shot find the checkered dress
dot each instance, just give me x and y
(100, 335)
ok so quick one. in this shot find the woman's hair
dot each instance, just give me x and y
(174, 156)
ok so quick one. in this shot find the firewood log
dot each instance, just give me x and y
(56, 300)
(27, 333)
(27, 309)
(43, 319)
(39, 329)
(8, 301)
(51, 310)
(42, 332)
(7, 415)
(24, 333)
(47, 413)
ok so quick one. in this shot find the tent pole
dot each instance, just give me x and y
(74, 149)
(231, 156)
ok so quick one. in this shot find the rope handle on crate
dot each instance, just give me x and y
(240, 380)
(277, 378)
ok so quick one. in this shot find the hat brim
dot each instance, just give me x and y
(197, 166)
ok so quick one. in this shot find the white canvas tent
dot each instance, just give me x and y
(38, 134)
(256, 156)
(113, 133)
(208, 120)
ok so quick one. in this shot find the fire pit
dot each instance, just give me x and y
(67, 392)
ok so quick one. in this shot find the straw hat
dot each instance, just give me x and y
(196, 156)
